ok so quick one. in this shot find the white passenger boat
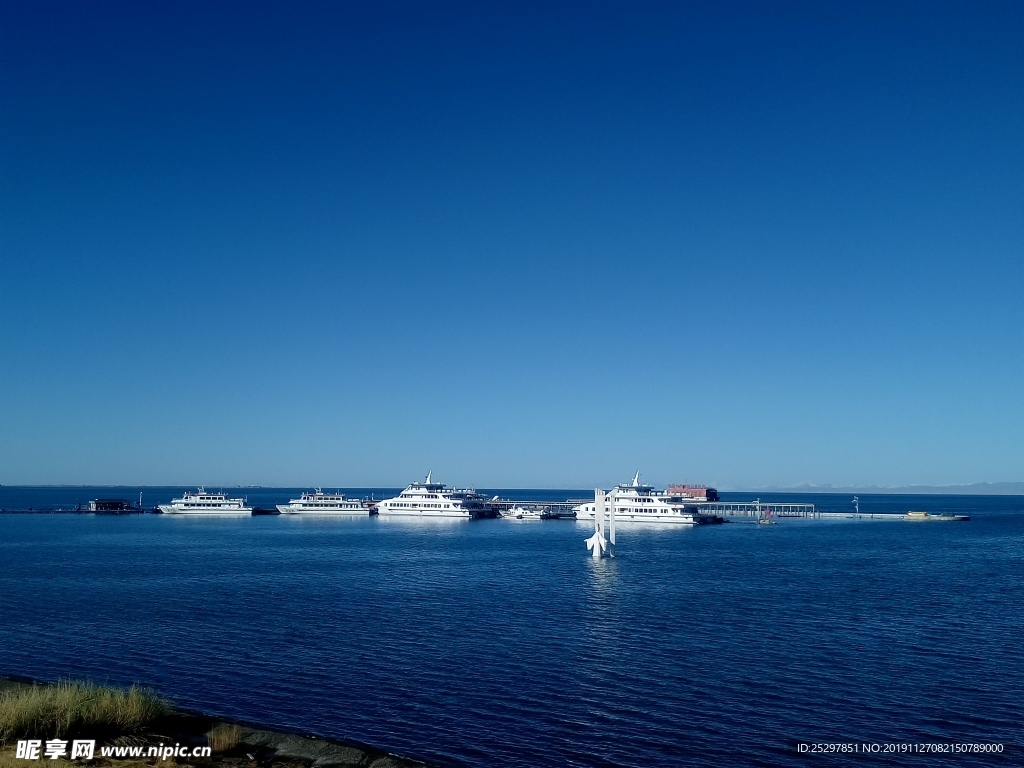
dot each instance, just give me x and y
(429, 499)
(320, 503)
(523, 513)
(203, 502)
(638, 503)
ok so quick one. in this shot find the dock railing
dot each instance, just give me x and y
(756, 508)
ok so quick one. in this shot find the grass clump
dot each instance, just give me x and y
(76, 709)
(224, 737)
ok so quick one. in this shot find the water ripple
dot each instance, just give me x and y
(494, 644)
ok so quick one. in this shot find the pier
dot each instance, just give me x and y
(757, 508)
(563, 510)
(556, 510)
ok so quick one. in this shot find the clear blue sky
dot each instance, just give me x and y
(520, 244)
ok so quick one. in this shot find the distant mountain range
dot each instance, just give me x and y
(1016, 489)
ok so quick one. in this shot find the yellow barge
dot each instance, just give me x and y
(929, 517)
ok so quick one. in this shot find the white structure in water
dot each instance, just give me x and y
(599, 544)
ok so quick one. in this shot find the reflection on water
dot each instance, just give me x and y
(416, 520)
(604, 577)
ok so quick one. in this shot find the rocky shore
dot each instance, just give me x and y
(233, 745)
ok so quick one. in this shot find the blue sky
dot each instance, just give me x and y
(300, 244)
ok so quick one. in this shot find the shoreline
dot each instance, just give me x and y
(257, 746)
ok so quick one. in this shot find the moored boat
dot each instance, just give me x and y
(203, 502)
(639, 503)
(430, 499)
(320, 503)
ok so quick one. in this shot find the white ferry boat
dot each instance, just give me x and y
(320, 503)
(203, 502)
(642, 504)
(429, 499)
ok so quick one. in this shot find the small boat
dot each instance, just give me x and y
(942, 517)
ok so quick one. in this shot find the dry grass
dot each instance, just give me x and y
(8, 760)
(71, 709)
(224, 737)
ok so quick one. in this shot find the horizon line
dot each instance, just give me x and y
(1005, 488)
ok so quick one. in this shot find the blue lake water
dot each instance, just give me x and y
(497, 642)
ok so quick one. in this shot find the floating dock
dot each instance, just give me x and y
(549, 510)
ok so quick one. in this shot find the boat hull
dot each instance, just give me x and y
(448, 513)
(169, 510)
(288, 509)
(660, 519)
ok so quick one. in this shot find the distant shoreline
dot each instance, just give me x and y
(971, 489)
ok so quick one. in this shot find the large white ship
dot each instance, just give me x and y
(638, 503)
(320, 503)
(429, 499)
(203, 502)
